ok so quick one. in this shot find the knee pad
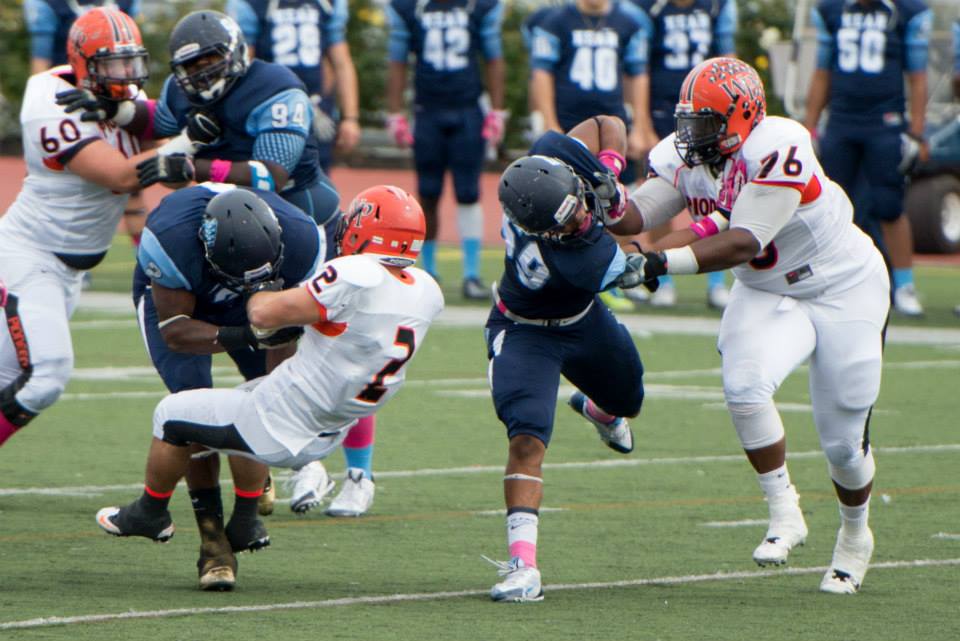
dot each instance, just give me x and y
(758, 424)
(850, 467)
(46, 384)
(746, 384)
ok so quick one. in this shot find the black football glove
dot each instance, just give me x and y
(203, 128)
(249, 338)
(93, 107)
(166, 169)
(272, 339)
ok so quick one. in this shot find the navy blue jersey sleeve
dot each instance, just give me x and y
(164, 120)
(590, 264)
(170, 252)
(571, 151)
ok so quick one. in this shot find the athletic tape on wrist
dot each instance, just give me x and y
(171, 320)
(681, 261)
(126, 110)
(612, 160)
(260, 176)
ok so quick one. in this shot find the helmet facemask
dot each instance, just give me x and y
(699, 135)
(118, 75)
(207, 76)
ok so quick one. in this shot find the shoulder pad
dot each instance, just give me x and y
(359, 271)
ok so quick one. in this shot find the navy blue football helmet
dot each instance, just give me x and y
(540, 194)
(241, 239)
(208, 53)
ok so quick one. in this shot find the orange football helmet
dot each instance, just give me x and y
(721, 101)
(386, 222)
(106, 52)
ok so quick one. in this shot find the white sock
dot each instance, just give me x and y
(775, 483)
(853, 518)
(522, 530)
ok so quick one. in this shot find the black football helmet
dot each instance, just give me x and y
(208, 53)
(540, 194)
(241, 238)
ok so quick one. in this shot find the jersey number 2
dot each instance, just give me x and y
(374, 390)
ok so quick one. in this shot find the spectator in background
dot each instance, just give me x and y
(310, 38)
(682, 34)
(864, 49)
(447, 37)
(49, 22)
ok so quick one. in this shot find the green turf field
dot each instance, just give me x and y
(655, 545)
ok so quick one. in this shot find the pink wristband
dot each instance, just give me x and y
(612, 160)
(704, 228)
(148, 130)
(219, 170)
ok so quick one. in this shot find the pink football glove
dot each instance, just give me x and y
(494, 125)
(399, 128)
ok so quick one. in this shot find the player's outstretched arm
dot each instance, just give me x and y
(651, 204)
(180, 331)
(274, 309)
(103, 165)
(601, 132)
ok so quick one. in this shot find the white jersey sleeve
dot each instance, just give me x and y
(781, 156)
(56, 209)
(337, 284)
(664, 161)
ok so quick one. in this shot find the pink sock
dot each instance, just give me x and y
(598, 414)
(361, 434)
(6, 429)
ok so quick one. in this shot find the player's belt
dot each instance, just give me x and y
(542, 322)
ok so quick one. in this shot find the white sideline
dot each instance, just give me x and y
(743, 523)
(43, 622)
(79, 490)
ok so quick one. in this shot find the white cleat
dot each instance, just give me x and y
(617, 435)
(311, 484)
(786, 531)
(906, 301)
(851, 558)
(520, 584)
(665, 296)
(356, 495)
(717, 297)
(637, 294)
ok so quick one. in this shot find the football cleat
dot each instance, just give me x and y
(717, 297)
(474, 289)
(130, 521)
(906, 301)
(247, 535)
(356, 495)
(637, 294)
(615, 301)
(786, 531)
(268, 498)
(851, 558)
(311, 484)
(217, 566)
(520, 583)
(665, 296)
(617, 435)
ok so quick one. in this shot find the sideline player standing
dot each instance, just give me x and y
(682, 34)
(63, 220)
(864, 49)
(803, 270)
(367, 313)
(301, 35)
(450, 130)
(189, 290)
(546, 320)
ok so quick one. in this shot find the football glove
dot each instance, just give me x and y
(93, 108)
(494, 125)
(176, 168)
(202, 128)
(642, 269)
(611, 195)
(324, 127)
(274, 338)
(399, 128)
(909, 153)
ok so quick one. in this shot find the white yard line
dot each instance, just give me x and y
(743, 523)
(45, 622)
(946, 536)
(93, 490)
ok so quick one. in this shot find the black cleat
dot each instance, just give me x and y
(131, 521)
(247, 535)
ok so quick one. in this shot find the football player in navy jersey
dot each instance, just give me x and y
(589, 58)
(447, 38)
(864, 49)
(684, 33)
(309, 37)
(189, 291)
(546, 320)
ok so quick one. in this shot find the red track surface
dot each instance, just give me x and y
(348, 181)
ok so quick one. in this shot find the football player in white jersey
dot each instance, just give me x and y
(365, 313)
(78, 176)
(809, 286)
